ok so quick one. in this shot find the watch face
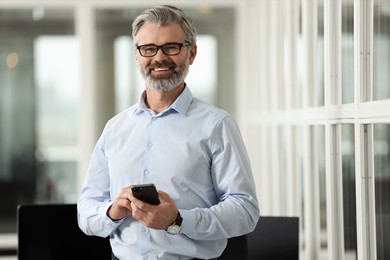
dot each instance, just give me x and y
(173, 230)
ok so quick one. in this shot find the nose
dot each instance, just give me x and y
(160, 55)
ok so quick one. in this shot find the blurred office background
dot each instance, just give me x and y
(307, 80)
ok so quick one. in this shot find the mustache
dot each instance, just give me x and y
(163, 64)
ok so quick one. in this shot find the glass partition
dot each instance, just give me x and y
(320, 80)
(320, 142)
(382, 189)
(57, 94)
(349, 191)
(381, 49)
(347, 51)
(38, 109)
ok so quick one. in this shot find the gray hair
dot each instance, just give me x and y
(166, 15)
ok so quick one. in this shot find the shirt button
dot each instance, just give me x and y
(146, 172)
(150, 145)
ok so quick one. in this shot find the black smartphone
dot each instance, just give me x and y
(146, 193)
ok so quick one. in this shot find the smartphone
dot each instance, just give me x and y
(146, 193)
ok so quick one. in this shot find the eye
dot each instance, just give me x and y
(148, 49)
(171, 48)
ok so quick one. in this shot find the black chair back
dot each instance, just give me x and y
(51, 232)
(275, 238)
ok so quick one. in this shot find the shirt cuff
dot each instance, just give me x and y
(189, 221)
(108, 220)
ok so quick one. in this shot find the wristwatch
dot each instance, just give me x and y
(175, 227)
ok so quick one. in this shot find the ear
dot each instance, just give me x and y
(193, 53)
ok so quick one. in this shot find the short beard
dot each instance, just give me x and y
(170, 83)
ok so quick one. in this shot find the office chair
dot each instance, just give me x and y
(51, 232)
(274, 238)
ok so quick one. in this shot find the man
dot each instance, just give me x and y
(191, 151)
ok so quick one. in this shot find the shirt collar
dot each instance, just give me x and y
(180, 105)
(183, 101)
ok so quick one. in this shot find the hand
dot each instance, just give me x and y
(122, 205)
(154, 216)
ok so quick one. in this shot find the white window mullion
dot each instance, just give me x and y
(332, 44)
(311, 195)
(333, 90)
(334, 192)
(370, 189)
(363, 31)
(276, 64)
(309, 31)
(291, 87)
(365, 185)
(365, 204)
(265, 83)
(311, 171)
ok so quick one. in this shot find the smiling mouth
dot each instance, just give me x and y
(162, 72)
(162, 69)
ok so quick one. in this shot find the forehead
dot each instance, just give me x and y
(159, 34)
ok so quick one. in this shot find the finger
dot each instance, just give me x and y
(137, 213)
(125, 193)
(139, 204)
(128, 194)
(126, 203)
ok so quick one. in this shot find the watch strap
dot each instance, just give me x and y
(177, 221)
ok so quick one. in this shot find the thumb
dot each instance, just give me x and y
(164, 196)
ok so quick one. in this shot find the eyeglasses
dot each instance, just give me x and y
(169, 49)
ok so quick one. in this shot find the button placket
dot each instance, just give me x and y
(149, 146)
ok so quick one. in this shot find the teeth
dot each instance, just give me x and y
(161, 69)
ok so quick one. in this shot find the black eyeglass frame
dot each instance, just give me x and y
(162, 48)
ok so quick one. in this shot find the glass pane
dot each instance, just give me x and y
(317, 177)
(349, 191)
(301, 168)
(57, 116)
(37, 155)
(347, 51)
(381, 49)
(320, 132)
(320, 84)
(382, 189)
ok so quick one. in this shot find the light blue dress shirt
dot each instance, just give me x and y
(194, 152)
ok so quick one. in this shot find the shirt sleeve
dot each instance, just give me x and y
(237, 212)
(95, 199)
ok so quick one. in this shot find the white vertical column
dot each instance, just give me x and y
(365, 200)
(311, 173)
(311, 195)
(364, 161)
(290, 88)
(264, 31)
(85, 31)
(332, 44)
(334, 195)
(277, 73)
(309, 31)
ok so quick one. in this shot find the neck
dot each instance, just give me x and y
(159, 101)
